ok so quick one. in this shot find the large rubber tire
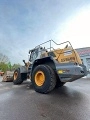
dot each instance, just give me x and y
(58, 82)
(49, 82)
(18, 78)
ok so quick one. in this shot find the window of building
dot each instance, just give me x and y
(82, 61)
(88, 62)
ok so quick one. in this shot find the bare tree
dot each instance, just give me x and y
(4, 58)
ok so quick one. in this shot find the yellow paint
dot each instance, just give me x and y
(39, 78)
(61, 56)
(15, 75)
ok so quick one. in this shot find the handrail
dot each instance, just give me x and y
(50, 42)
(54, 42)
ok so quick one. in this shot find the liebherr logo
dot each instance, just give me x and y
(68, 59)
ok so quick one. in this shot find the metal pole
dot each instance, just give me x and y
(50, 45)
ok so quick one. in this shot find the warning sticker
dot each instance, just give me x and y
(68, 52)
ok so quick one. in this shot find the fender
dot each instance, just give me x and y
(23, 69)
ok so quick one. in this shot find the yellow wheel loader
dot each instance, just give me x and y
(50, 68)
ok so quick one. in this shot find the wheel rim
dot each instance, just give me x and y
(15, 75)
(39, 78)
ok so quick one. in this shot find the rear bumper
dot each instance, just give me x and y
(70, 72)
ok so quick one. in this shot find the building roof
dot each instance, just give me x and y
(83, 51)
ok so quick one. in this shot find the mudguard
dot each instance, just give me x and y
(23, 69)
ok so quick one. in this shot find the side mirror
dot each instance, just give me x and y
(24, 61)
(29, 51)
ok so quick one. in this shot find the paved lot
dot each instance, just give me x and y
(71, 102)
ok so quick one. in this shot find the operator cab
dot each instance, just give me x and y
(36, 53)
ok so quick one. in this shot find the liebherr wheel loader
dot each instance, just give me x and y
(50, 68)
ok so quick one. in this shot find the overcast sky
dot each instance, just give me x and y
(26, 23)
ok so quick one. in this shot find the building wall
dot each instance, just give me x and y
(86, 62)
(85, 57)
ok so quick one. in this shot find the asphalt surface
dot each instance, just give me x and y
(21, 102)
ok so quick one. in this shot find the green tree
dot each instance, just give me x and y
(15, 66)
(9, 65)
(4, 62)
(3, 66)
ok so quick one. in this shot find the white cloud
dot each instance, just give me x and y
(76, 29)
